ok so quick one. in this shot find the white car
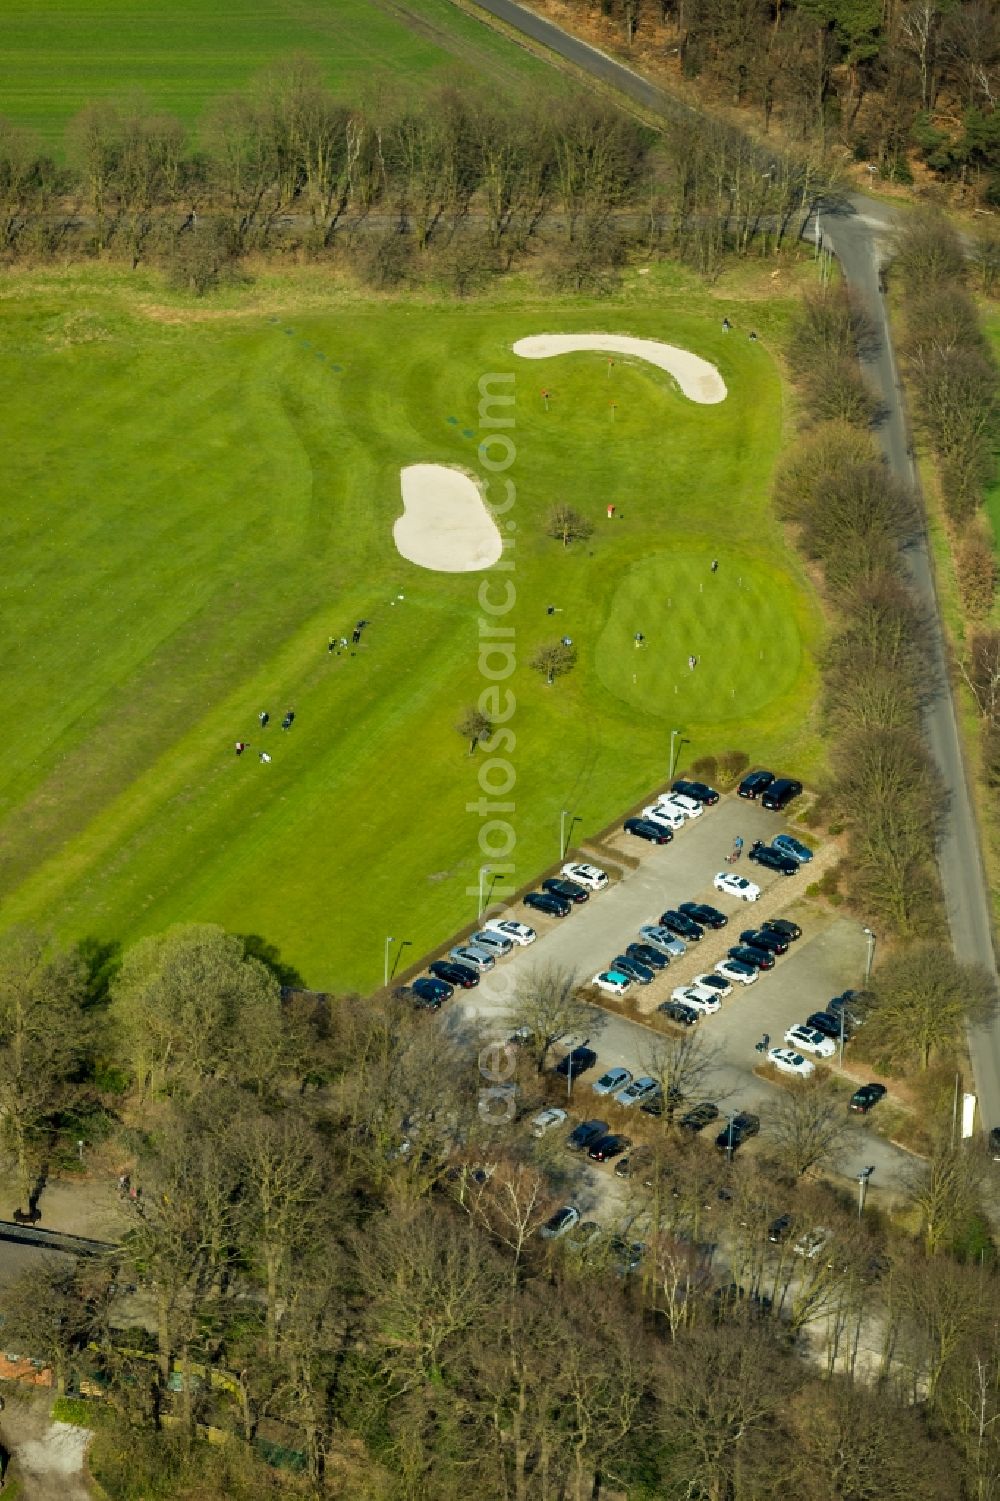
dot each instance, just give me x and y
(808, 1040)
(787, 1061)
(715, 982)
(546, 1120)
(612, 982)
(517, 932)
(590, 876)
(686, 805)
(669, 818)
(496, 943)
(701, 997)
(474, 956)
(734, 885)
(612, 1081)
(729, 969)
(637, 1091)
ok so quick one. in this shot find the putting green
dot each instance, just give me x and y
(195, 499)
(739, 623)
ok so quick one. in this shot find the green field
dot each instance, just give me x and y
(193, 502)
(179, 55)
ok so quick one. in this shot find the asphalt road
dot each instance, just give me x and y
(859, 234)
(829, 957)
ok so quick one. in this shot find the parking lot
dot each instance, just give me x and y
(829, 957)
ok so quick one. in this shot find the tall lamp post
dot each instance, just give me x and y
(871, 953)
(673, 740)
(863, 1178)
(562, 831)
(388, 942)
(484, 870)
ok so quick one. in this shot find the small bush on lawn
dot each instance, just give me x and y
(75, 1410)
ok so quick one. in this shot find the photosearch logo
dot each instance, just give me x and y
(497, 661)
(497, 655)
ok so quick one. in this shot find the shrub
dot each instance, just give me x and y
(975, 566)
(75, 1410)
(731, 766)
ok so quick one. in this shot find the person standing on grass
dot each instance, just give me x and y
(286, 723)
(265, 758)
(241, 746)
(715, 565)
(263, 717)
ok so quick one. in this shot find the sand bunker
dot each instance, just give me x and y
(699, 381)
(445, 525)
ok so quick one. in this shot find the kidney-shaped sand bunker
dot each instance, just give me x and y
(699, 380)
(446, 525)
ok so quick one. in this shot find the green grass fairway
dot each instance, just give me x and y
(179, 55)
(193, 501)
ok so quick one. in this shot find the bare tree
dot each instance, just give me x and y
(554, 660)
(474, 726)
(567, 525)
(547, 1005)
(945, 1192)
(922, 999)
(681, 1066)
(808, 1125)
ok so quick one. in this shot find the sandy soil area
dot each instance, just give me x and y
(48, 1458)
(446, 525)
(699, 380)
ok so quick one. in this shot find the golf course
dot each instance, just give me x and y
(198, 498)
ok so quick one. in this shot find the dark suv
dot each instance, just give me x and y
(763, 854)
(780, 794)
(576, 1062)
(755, 783)
(681, 924)
(570, 891)
(737, 1131)
(700, 791)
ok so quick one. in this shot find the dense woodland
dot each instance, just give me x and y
(334, 1252)
(911, 88)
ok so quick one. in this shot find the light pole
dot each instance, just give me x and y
(484, 870)
(871, 953)
(842, 1036)
(388, 943)
(562, 831)
(673, 738)
(863, 1178)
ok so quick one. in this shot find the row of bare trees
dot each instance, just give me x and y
(342, 1256)
(453, 180)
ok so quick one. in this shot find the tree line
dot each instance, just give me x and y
(453, 185)
(905, 85)
(336, 1248)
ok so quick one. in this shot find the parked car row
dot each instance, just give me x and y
(755, 953)
(775, 793)
(671, 810)
(467, 962)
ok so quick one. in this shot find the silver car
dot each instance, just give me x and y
(492, 942)
(637, 1091)
(611, 1082)
(662, 938)
(473, 954)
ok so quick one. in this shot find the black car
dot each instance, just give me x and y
(866, 1098)
(607, 1147)
(705, 916)
(462, 975)
(755, 783)
(644, 828)
(780, 794)
(656, 1105)
(431, 992)
(782, 926)
(576, 1062)
(771, 859)
(634, 968)
(822, 1021)
(852, 1003)
(552, 906)
(586, 1133)
(756, 958)
(570, 891)
(684, 1016)
(995, 1143)
(699, 1116)
(762, 938)
(647, 955)
(700, 791)
(779, 1228)
(681, 924)
(737, 1131)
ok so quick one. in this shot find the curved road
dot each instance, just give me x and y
(856, 232)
